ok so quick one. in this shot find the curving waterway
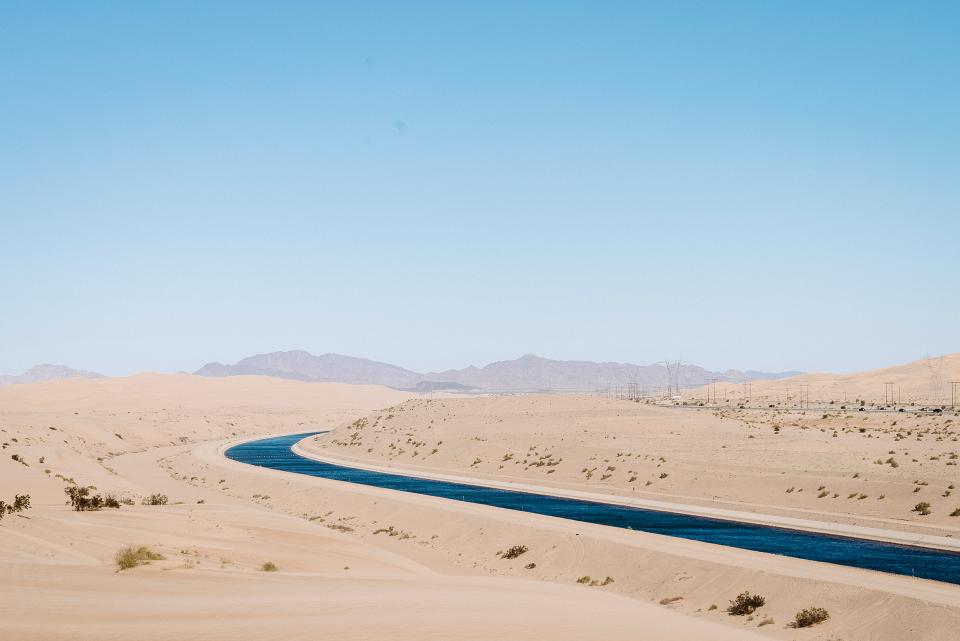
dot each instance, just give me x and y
(275, 453)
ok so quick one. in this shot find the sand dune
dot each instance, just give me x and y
(163, 434)
(926, 381)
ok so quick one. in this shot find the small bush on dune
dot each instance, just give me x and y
(269, 566)
(155, 499)
(745, 603)
(514, 552)
(81, 500)
(810, 616)
(131, 557)
(20, 503)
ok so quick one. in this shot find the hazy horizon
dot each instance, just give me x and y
(742, 186)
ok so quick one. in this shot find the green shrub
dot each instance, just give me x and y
(810, 616)
(745, 603)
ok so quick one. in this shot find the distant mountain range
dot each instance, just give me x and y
(46, 372)
(527, 373)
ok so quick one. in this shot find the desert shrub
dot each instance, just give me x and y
(127, 558)
(81, 500)
(745, 603)
(155, 499)
(269, 566)
(131, 557)
(923, 508)
(20, 503)
(530, 566)
(514, 552)
(810, 616)
(584, 579)
(111, 501)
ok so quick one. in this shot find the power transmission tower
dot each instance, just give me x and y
(954, 394)
(888, 397)
(673, 377)
(805, 395)
(935, 367)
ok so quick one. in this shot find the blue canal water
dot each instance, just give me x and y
(275, 453)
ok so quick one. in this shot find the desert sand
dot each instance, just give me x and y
(926, 382)
(153, 434)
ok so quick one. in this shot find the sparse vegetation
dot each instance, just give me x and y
(922, 508)
(514, 552)
(155, 499)
(81, 500)
(269, 566)
(810, 616)
(20, 503)
(131, 557)
(745, 603)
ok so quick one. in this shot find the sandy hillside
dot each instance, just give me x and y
(922, 382)
(862, 468)
(778, 463)
(223, 521)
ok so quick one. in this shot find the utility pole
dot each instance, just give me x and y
(954, 394)
(712, 388)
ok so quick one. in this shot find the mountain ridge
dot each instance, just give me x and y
(526, 373)
(46, 372)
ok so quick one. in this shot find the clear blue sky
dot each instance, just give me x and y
(738, 184)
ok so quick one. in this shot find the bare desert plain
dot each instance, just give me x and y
(240, 552)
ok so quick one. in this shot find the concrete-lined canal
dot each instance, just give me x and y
(275, 453)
